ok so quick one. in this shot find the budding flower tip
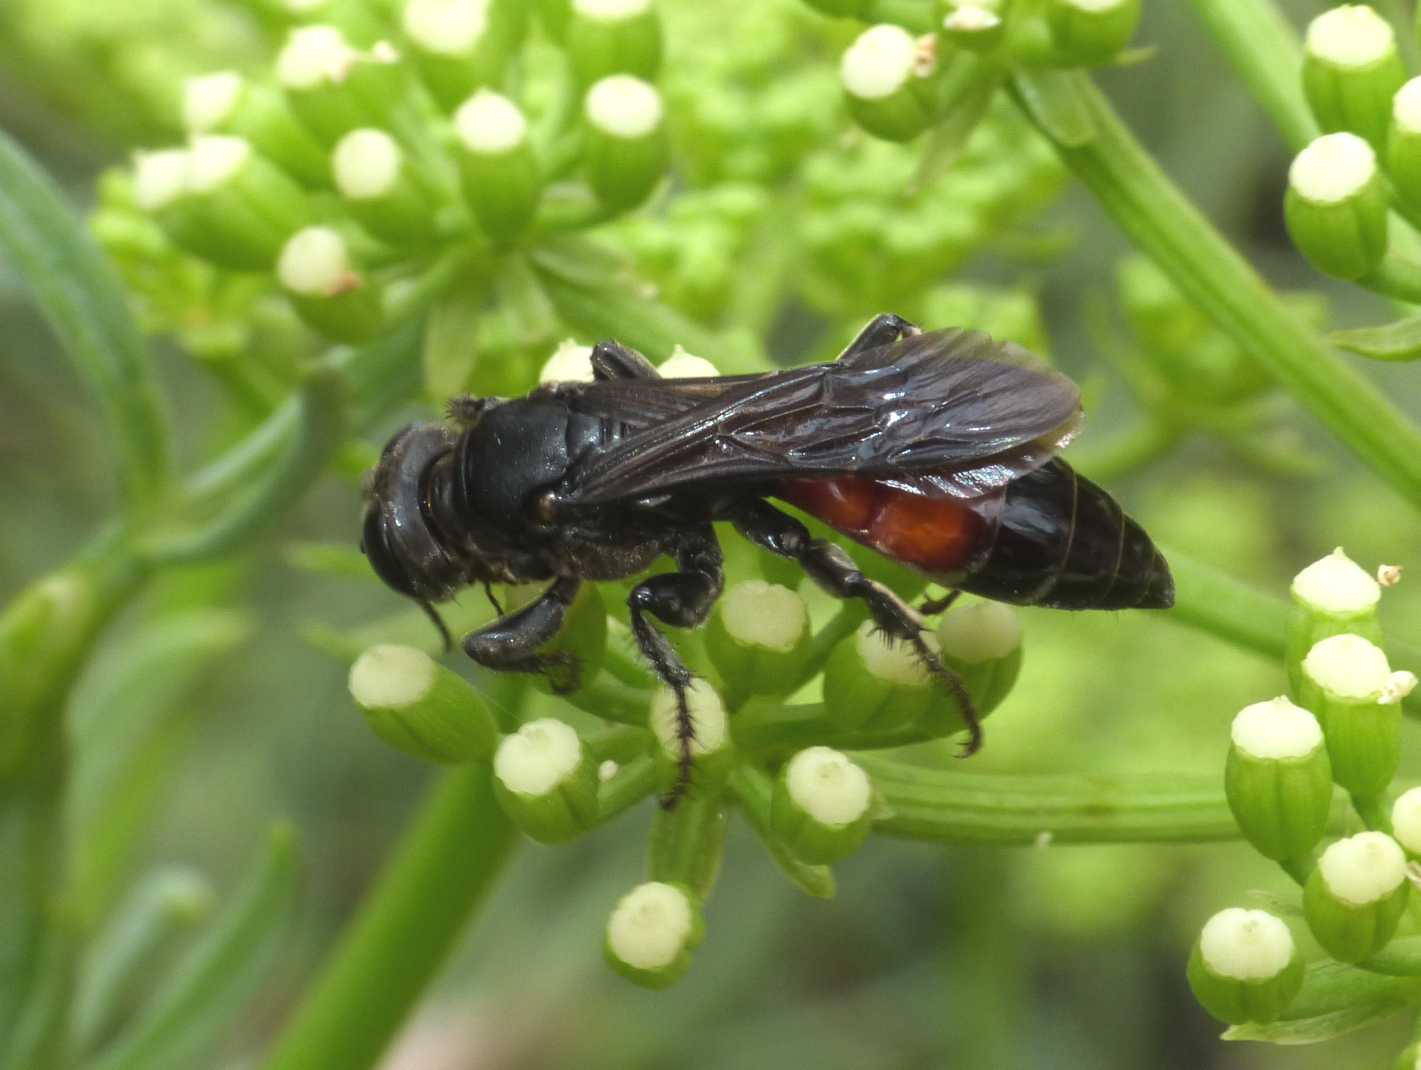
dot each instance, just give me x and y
(1406, 106)
(1332, 168)
(366, 164)
(1406, 820)
(1337, 585)
(1277, 730)
(390, 676)
(1364, 868)
(758, 613)
(1348, 666)
(829, 786)
(538, 757)
(624, 106)
(652, 926)
(159, 177)
(312, 55)
(683, 365)
(879, 62)
(1350, 35)
(891, 662)
(981, 631)
(971, 18)
(1246, 945)
(209, 99)
(213, 159)
(449, 27)
(489, 123)
(571, 362)
(315, 262)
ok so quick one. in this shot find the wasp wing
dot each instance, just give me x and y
(953, 412)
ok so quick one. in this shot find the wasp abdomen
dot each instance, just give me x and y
(1062, 542)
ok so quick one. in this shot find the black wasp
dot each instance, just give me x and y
(936, 449)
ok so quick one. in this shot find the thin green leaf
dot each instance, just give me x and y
(192, 1007)
(1315, 1030)
(1399, 340)
(85, 306)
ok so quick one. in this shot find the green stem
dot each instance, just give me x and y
(1374, 810)
(442, 870)
(1300, 869)
(1163, 223)
(1264, 48)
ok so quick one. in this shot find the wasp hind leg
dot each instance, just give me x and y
(882, 330)
(682, 599)
(832, 569)
(511, 644)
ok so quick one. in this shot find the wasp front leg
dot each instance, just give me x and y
(682, 599)
(512, 643)
(832, 569)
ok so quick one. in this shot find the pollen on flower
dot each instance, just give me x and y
(1388, 575)
(827, 785)
(683, 365)
(651, 926)
(450, 27)
(366, 164)
(159, 177)
(707, 715)
(1406, 820)
(1333, 168)
(315, 262)
(571, 362)
(1398, 685)
(1276, 730)
(391, 677)
(1246, 945)
(490, 124)
(879, 62)
(893, 663)
(756, 613)
(1337, 585)
(210, 99)
(982, 631)
(1364, 868)
(1352, 35)
(213, 159)
(1348, 666)
(538, 757)
(312, 55)
(624, 106)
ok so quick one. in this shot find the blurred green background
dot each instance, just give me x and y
(1050, 957)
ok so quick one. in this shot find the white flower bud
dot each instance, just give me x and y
(652, 926)
(1348, 667)
(391, 677)
(827, 785)
(366, 164)
(159, 178)
(707, 715)
(624, 106)
(1333, 168)
(570, 362)
(1364, 868)
(1336, 585)
(879, 62)
(982, 631)
(1351, 35)
(1276, 730)
(316, 263)
(450, 27)
(1246, 945)
(210, 99)
(537, 758)
(756, 613)
(683, 365)
(1406, 820)
(213, 160)
(490, 124)
(313, 55)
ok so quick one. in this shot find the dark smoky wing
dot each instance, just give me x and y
(957, 403)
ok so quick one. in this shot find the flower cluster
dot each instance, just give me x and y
(1338, 727)
(766, 745)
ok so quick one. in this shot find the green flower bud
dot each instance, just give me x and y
(605, 37)
(226, 103)
(327, 290)
(1086, 32)
(1403, 144)
(1355, 897)
(501, 179)
(571, 362)
(758, 639)
(382, 189)
(334, 87)
(822, 806)
(976, 27)
(687, 843)
(710, 747)
(652, 932)
(624, 151)
(546, 781)
(887, 78)
(1245, 966)
(1331, 596)
(982, 643)
(872, 684)
(420, 707)
(1348, 684)
(459, 45)
(683, 365)
(1336, 206)
(1278, 778)
(222, 201)
(1351, 70)
(1406, 821)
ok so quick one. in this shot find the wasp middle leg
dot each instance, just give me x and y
(832, 569)
(682, 599)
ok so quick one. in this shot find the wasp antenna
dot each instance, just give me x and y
(488, 593)
(433, 614)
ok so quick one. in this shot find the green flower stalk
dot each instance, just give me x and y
(887, 78)
(334, 87)
(1406, 821)
(1336, 206)
(605, 37)
(1332, 596)
(501, 180)
(1350, 687)
(459, 45)
(326, 289)
(758, 639)
(822, 807)
(224, 102)
(1245, 966)
(383, 189)
(1088, 32)
(546, 781)
(1351, 70)
(624, 152)
(652, 932)
(1355, 897)
(1403, 145)
(1278, 779)
(420, 707)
